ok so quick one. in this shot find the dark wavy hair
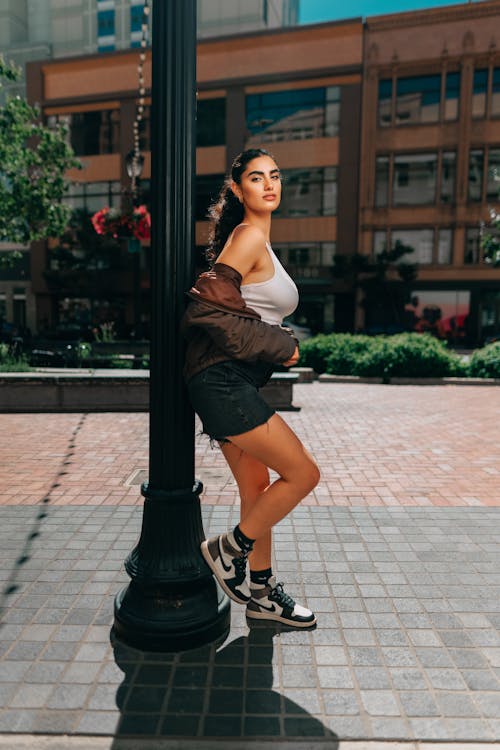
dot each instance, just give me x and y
(226, 212)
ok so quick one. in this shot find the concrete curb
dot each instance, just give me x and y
(67, 742)
(327, 378)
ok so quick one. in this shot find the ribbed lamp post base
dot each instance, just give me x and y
(172, 602)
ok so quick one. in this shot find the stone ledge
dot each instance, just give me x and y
(47, 390)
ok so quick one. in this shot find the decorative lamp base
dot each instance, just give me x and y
(172, 602)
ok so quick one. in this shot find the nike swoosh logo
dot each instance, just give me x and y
(226, 568)
(272, 608)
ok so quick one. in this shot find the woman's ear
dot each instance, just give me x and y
(236, 190)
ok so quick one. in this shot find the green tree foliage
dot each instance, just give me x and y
(33, 163)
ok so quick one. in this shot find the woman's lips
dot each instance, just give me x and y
(269, 197)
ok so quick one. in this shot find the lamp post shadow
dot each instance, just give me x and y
(214, 692)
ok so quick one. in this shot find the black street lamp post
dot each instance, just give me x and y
(172, 602)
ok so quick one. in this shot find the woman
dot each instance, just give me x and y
(235, 337)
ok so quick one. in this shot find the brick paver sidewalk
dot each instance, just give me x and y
(376, 445)
(397, 551)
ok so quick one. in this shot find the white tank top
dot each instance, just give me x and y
(275, 298)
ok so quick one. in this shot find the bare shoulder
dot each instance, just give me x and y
(244, 249)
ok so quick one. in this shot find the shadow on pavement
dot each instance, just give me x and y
(12, 585)
(207, 693)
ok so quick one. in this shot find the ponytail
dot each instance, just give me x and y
(227, 212)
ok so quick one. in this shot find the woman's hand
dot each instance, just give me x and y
(293, 359)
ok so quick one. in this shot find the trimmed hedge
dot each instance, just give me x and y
(401, 355)
(485, 362)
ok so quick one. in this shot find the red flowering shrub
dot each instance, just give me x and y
(135, 223)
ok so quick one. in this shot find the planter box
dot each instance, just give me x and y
(103, 390)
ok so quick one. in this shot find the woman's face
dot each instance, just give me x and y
(260, 186)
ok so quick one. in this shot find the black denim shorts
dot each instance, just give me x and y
(226, 397)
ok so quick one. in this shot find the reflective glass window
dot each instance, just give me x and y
(384, 102)
(452, 96)
(417, 99)
(382, 181)
(480, 88)
(414, 179)
(211, 122)
(309, 192)
(92, 196)
(448, 171)
(472, 246)
(444, 249)
(443, 313)
(476, 166)
(493, 182)
(421, 240)
(495, 93)
(91, 133)
(293, 114)
(379, 241)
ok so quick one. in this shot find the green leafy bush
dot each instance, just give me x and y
(409, 355)
(8, 363)
(485, 362)
(315, 351)
(402, 355)
(345, 350)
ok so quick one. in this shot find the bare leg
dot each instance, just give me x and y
(252, 478)
(275, 445)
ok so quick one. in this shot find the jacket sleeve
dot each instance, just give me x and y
(240, 337)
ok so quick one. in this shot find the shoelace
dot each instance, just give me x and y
(240, 565)
(281, 597)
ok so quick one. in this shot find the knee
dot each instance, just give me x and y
(309, 476)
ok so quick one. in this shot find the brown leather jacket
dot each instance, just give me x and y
(219, 326)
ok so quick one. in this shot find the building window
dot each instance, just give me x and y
(445, 246)
(448, 170)
(384, 102)
(493, 181)
(91, 133)
(211, 122)
(379, 241)
(307, 261)
(480, 89)
(452, 94)
(473, 252)
(91, 196)
(414, 180)
(443, 313)
(308, 192)
(208, 188)
(495, 93)
(476, 166)
(421, 240)
(382, 181)
(106, 38)
(417, 99)
(293, 114)
(136, 15)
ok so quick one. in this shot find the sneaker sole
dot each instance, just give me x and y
(271, 616)
(210, 562)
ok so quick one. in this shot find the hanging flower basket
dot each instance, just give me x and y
(135, 223)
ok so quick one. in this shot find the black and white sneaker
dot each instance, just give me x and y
(270, 602)
(228, 563)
